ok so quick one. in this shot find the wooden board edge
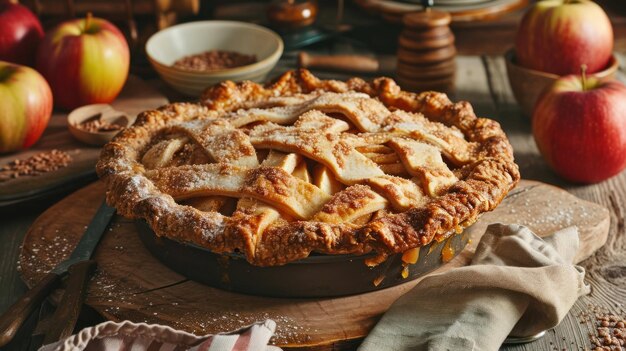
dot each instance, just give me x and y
(602, 228)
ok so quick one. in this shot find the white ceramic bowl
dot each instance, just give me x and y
(166, 46)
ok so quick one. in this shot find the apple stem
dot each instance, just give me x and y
(88, 20)
(583, 75)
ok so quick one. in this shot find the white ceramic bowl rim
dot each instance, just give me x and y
(228, 71)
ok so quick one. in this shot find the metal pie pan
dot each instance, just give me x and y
(314, 276)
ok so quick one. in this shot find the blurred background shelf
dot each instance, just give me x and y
(140, 18)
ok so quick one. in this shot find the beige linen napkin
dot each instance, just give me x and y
(517, 284)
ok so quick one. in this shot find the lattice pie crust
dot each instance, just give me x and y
(307, 165)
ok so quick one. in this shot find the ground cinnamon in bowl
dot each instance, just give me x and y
(214, 60)
(40, 163)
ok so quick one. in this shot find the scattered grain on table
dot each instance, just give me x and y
(609, 328)
(35, 165)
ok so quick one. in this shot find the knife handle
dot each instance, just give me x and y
(12, 319)
(341, 63)
(64, 318)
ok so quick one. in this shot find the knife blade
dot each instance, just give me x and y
(14, 316)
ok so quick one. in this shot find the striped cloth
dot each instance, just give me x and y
(127, 336)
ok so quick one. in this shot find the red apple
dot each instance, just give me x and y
(20, 33)
(85, 61)
(558, 36)
(26, 102)
(579, 126)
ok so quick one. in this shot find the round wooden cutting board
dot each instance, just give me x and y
(131, 284)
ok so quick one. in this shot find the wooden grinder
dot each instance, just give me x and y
(426, 52)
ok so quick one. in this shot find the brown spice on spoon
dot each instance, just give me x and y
(98, 126)
(40, 163)
(214, 60)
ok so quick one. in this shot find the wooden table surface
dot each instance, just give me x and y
(482, 81)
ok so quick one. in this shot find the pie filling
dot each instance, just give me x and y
(305, 165)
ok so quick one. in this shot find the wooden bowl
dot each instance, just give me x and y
(528, 84)
(103, 112)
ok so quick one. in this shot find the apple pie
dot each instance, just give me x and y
(302, 165)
